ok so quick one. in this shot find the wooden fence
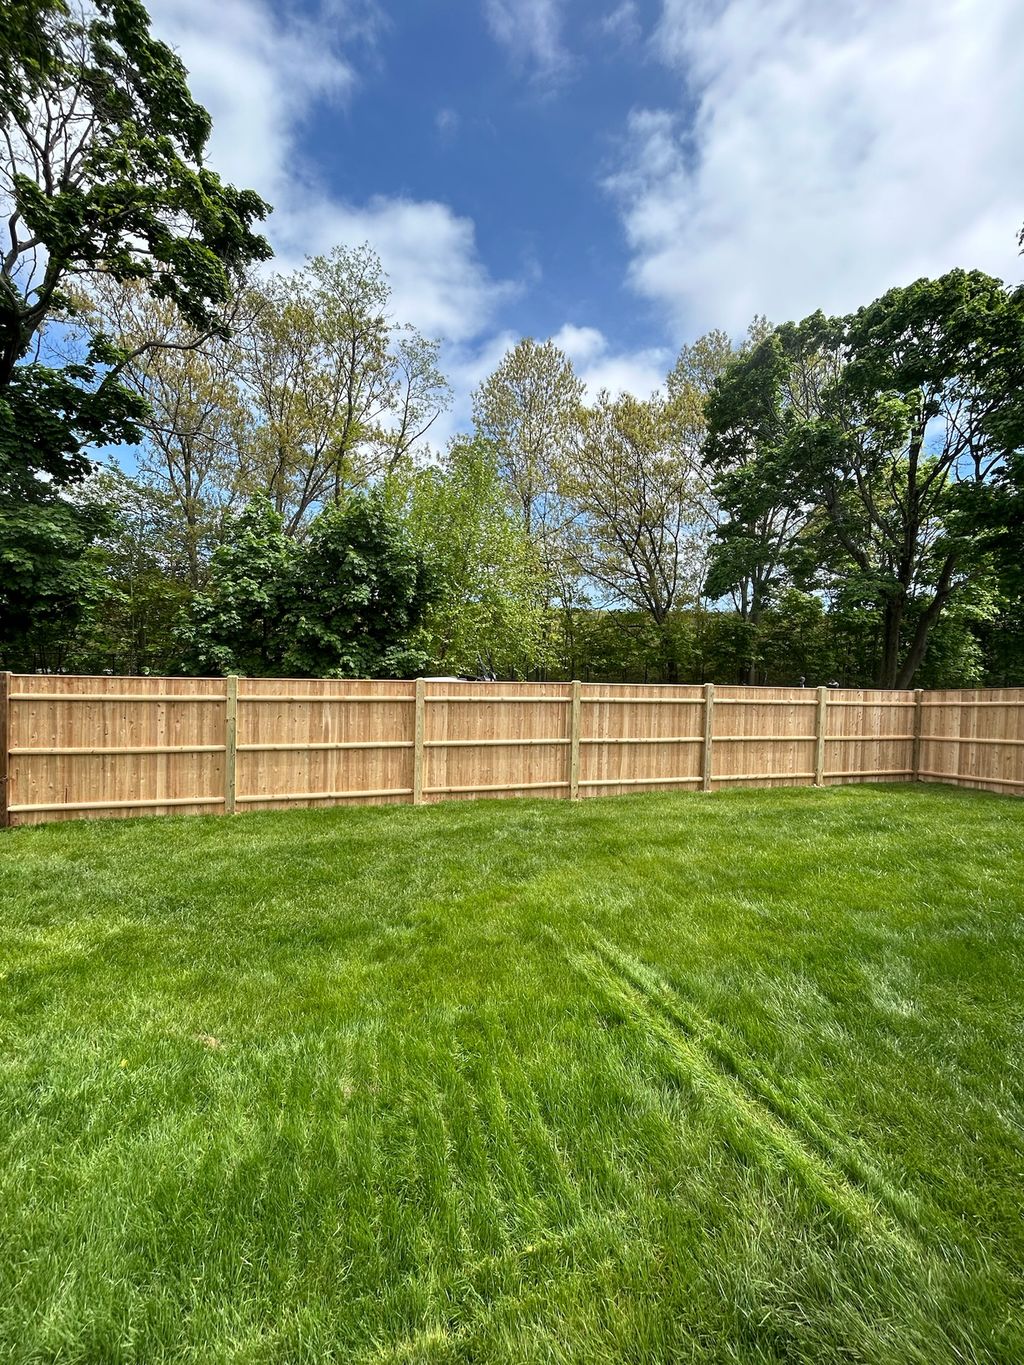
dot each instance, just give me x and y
(73, 747)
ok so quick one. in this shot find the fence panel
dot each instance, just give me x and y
(640, 738)
(77, 747)
(115, 747)
(869, 736)
(497, 739)
(323, 742)
(975, 739)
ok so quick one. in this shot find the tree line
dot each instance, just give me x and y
(837, 499)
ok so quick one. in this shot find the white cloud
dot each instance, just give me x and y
(836, 149)
(438, 282)
(640, 372)
(531, 30)
(258, 71)
(622, 24)
(447, 122)
(261, 71)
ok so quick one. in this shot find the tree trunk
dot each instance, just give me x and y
(922, 634)
(892, 625)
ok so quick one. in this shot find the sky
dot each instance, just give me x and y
(621, 175)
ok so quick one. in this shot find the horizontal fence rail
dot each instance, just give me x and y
(73, 748)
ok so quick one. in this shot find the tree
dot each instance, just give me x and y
(135, 629)
(195, 428)
(885, 427)
(337, 394)
(239, 622)
(102, 167)
(49, 579)
(361, 588)
(101, 171)
(635, 490)
(347, 601)
(529, 410)
(490, 612)
(758, 523)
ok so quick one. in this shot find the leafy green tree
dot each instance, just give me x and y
(348, 601)
(883, 427)
(195, 429)
(359, 592)
(49, 579)
(490, 612)
(337, 395)
(135, 629)
(101, 172)
(639, 525)
(529, 410)
(239, 622)
(52, 579)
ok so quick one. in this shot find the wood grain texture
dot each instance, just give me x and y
(5, 748)
(87, 747)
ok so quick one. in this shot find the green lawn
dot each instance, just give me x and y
(666, 1078)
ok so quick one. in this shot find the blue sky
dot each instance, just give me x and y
(620, 174)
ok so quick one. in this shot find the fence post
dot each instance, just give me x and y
(574, 745)
(5, 744)
(709, 735)
(419, 748)
(230, 745)
(819, 737)
(915, 762)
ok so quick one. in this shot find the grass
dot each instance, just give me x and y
(728, 1078)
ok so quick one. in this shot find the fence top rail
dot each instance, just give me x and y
(972, 705)
(196, 697)
(244, 698)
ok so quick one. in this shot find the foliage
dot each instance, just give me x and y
(876, 431)
(529, 410)
(50, 581)
(238, 622)
(104, 170)
(635, 494)
(360, 589)
(337, 396)
(490, 613)
(146, 591)
(345, 602)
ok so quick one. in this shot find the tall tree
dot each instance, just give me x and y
(634, 485)
(102, 169)
(529, 410)
(490, 613)
(337, 393)
(883, 427)
(195, 428)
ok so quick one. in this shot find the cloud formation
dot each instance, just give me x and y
(820, 153)
(600, 366)
(532, 33)
(262, 70)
